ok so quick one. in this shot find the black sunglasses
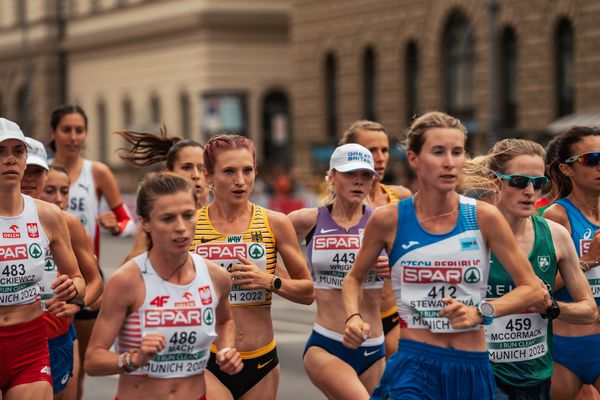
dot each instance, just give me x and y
(588, 159)
(522, 181)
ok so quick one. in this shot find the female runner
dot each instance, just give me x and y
(438, 244)
(578, 210)
(333, 233)
(165, 307)
(28, 226)
(523, 368)
(59, 329)
(373, 136)
(182, 157)
(245, 238)
(90, 181)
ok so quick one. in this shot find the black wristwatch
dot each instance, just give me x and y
(79, 303)
(276, 284)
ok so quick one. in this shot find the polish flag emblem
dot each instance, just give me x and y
(33, 231)
(205, 295)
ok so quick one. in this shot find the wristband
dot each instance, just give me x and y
(350, 317)
(222, 351)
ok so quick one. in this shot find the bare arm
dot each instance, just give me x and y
(88, 264)
(120, 295)
(502, 242)
(123, 294)
(379, 234)
(299, 288)
(303, 221)
(583, 309)
(107, 184)
(228, 360)
(69, 285)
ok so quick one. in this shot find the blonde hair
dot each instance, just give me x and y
(350, 136)
(415, 137)
(478, 179)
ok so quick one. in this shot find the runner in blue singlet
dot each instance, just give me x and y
(578, 209)
(438, 244)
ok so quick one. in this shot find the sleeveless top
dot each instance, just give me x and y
(426, 267)
(184, 314)
(55, 326)
(392, 196)
(582, 233)
(22, 256)
(331, 251)
(256, 244)
(83, 202)
(519, 345)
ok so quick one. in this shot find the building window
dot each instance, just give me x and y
(184, 107)
(564, 42)
(155, 110)
(411, 82)
(508, 78)
(102, 130)
(128, 119)
(458, 61)
(331, 122)
(276, 127)
(370, 84)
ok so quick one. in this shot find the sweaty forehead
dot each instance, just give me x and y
(445, 137)
(586, 144)
(370, 138)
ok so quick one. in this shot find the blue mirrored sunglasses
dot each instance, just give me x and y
(522, 181)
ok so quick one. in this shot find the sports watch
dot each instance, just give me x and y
(486, 311)
(276, 284)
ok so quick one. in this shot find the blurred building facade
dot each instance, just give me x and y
(389, 60)
(201, 66)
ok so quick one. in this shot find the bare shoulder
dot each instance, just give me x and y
(557, 213)
(559, 233)
(486, 213)
(303, 219)
(50, 215)
(126, 278)
(278, 220)
(401, 191)
(385, 216)
(72, 220)
(100, 169)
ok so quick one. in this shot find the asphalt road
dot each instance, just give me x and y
(292, 323)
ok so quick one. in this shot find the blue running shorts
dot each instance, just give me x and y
(420, 371)
(573, 352)
(61, 360)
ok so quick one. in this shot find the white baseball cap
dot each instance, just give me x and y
(37, 153)
(352, 157)
(10, 130)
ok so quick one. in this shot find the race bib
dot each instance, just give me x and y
(517, 337)
(226, 255)
(332, 258)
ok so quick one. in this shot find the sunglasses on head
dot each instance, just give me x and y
(588, 159)
(522, 181)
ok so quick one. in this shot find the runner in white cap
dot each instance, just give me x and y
(333, 235)
(373, 136)
(58, 316)
(28, 226)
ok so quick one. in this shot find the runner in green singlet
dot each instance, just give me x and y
(519, 344)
